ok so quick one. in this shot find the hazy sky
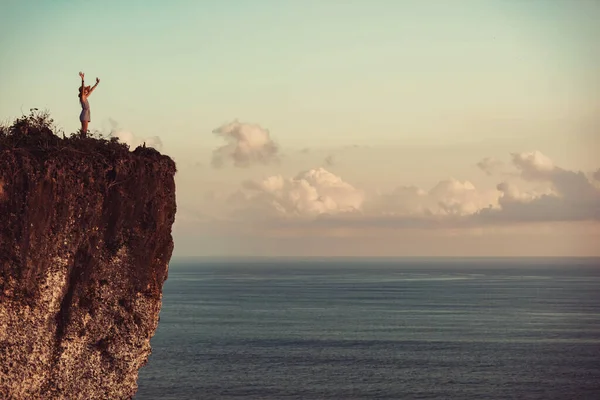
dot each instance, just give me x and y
(363, 127)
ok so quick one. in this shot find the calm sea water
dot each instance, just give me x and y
(378, 329)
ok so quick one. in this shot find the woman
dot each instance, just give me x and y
(84, 92)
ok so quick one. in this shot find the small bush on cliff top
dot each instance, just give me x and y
(36, 134)
(36, 131)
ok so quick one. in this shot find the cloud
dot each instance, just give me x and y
(131, 140)
(449, 197)
(318, 193)
(533, 164)
(490, 165)
(247, 144)
(541, 209)
(571, 196)
(309, 194)
(541, 192)
(571, 186)
(511, 192)
(134, 141)
(597, 175)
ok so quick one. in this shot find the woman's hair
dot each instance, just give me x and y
(87, 88)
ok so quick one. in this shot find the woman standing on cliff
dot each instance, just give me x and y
(84, 92)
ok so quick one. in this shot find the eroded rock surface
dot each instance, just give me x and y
(85, 242)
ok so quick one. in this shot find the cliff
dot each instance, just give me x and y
(85, 242)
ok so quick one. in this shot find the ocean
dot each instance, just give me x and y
(378, 329)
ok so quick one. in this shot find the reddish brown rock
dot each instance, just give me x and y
(85, 242)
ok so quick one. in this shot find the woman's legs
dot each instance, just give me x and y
(84, 127)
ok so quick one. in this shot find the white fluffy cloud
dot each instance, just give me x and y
(134, 141)
(309, 194)
(564, 196)
(532, 164)
(247, 144)
(319, 192)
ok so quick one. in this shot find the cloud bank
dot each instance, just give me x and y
(247, 145)
(325, 199)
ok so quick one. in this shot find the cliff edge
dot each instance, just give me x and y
(85, 242)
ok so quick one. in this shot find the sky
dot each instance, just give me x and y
(337, 128)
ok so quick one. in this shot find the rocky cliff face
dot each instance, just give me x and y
(85, 242)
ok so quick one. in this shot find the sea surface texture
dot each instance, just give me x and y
(378, 329)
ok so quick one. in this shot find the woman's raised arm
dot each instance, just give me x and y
(94, 87)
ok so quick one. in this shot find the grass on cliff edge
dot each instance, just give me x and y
(36, 134)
